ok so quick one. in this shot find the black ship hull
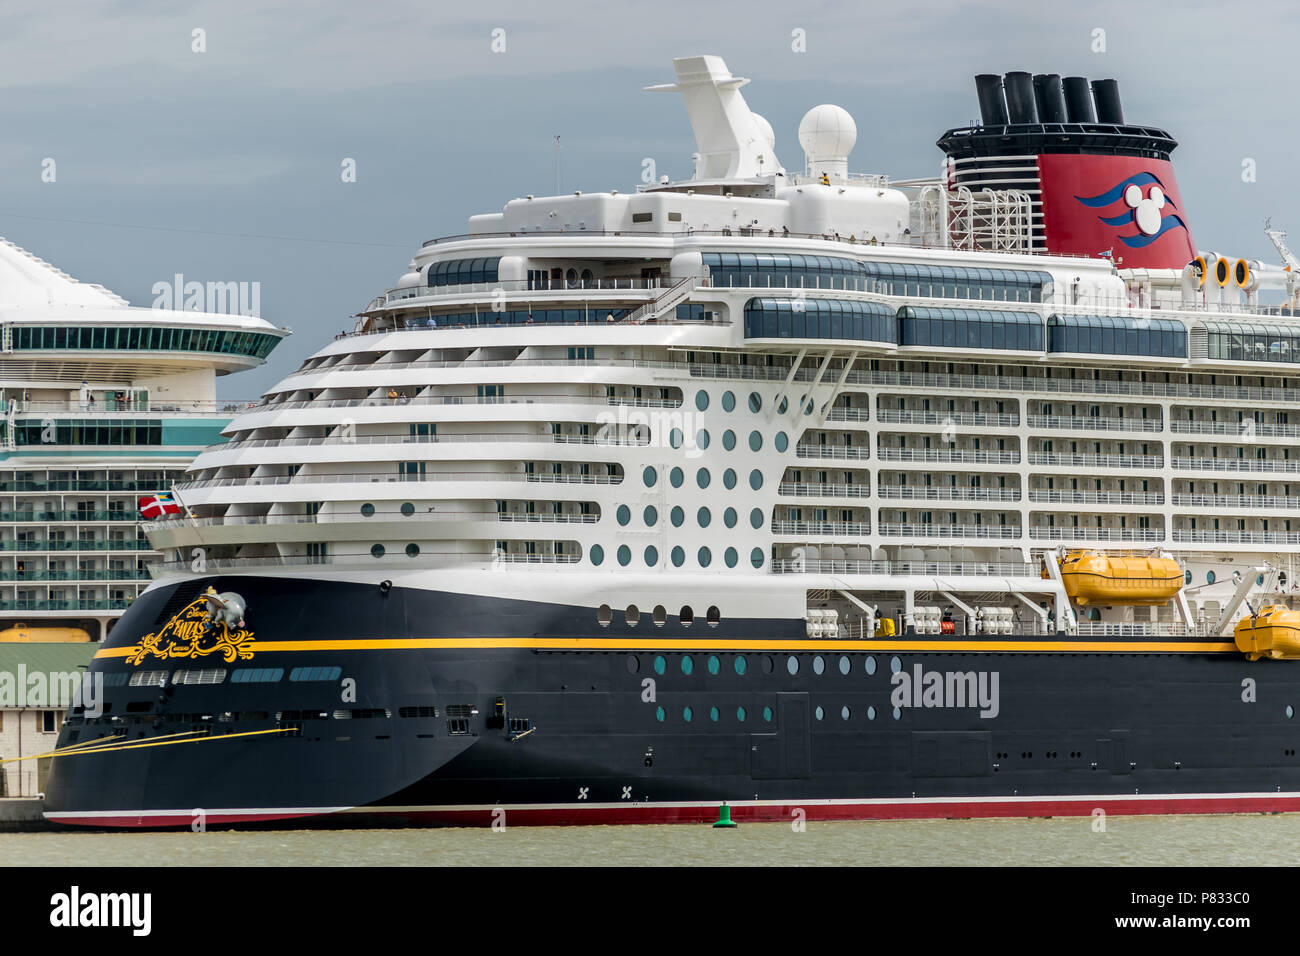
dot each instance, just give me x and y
(406, 706)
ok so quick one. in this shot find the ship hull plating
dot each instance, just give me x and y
(414, 707)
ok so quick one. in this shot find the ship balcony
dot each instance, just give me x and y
(842, 414)
(1090, 424)
(947, 493)
(818, 565)
(1220, 502)
(1284, 465)
(972, 456)
(833, 452)
(917, 416)
(840, 528)
(957, 531)
(1082, 460)
(1039, 533)
(1114, 498)
(1198, 536)
(800, 489)
(369, 477)
(1246, 430)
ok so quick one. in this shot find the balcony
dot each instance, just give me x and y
(1245, 429)
(836, 452)
(966, 455)
(804, 490)
(1237, 537)
(543, 288)
(383, 477)
(911, 416)
(1096, 534)
(959, 568)
(822, 527)
(1238, 464)
(42, 544)
(1083, 423)
(1072, 460)
(1235, 501)
(950, 493)
(983, 531)
(1058, 496)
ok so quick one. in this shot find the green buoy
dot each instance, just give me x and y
(724, 819)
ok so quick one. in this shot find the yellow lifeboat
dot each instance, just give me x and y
(1274, 633)
(22, 634)
(1128, 580)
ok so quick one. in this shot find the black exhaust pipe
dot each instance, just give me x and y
(1078, 100)
(993, 108)
(1019, 88)
(1106, 95)
(1048, 97)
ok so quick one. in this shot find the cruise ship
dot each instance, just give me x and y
(103, 404)
(813, 493)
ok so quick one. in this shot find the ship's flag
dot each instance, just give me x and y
(155, 506)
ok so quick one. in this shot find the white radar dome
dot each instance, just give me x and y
(765, 130)
(827, 134)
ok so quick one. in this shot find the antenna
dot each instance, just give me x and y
(557, 164)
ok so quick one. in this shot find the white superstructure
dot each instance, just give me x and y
(771, 393)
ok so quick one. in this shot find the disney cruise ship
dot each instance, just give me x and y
(806, 492)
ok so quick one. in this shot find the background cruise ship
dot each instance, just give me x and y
(621, 504)
(103, 403)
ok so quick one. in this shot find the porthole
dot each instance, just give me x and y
(650, 476)
(713, 714)
(677, 516)
(688, 664)
(632, 615)
(678, 557)
(659, 615)
(650, 516)
(687, 714)
(705, 557)
(651, 556)
(1187, 577)
(756, 479)
(741, 664)
(756, 557)
(659, 714)
(412, 550)
(1290, 712)
(729, 478)
(702, 438)
(819, 713)
(845, 666)
(703, 516)
(819, 665)
(729, 439)
(755, 441)
(676, 477)
(782, 441)
(740, 714)
(368, 510)
(844, 712)
(597, 554)
(633, 663)
(767, 714)
(712, 616)
(1259, 579)
(702, 478)
(376, 550)
(623, 514)
(897, 713)
(675, 438)
(715, 665)
(729, 517)
(871, 713)
(755, 402)
(785, 403)
(702, 400)
(895, 665)
(728, 401)
(730, 558)
(756, 518)
(686, 615)
(660, 665)
(624, 555)
(870, 665)
(792, 665)
(408, 509)
(604, 615)
(1209, 577)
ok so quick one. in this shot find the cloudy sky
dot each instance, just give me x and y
(224, 165)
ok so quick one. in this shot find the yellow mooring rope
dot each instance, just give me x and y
(89, 746)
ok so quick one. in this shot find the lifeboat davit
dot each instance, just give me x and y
(1274, 633)
(1098, 578)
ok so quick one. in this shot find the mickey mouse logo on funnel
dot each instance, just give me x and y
(1145, 212)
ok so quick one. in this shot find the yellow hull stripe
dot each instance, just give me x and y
(636, 644)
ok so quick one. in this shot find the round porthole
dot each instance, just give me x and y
(782, 441)
(660, 665)
(368, 510)
(756, 479)
(678, 557)
(688, 664)
(871, 713)
(651, 556)
(730, 558)
(702, 400)
(705, 557)
(677, 516)
(755, 441)
(819, 665)
(597, 554)
(845, 713)
(675, 438)
(740, 714)
(728, 401)
(702, 438)
(713, 714)
(605, 616)
(729, 439)
(729, 478)
(819, 713)
(792, 665)
(408, 509)
(376, 550)
(714, 664)
(650, 476)
(755, 402)
(729, 517)
(1209, 577)
(703, 516)
(895, 665)
(897, 713)
(1187, 577)
(687, 714)
(412, 550)
(870, 665)
(756, 557)
(702, 477)
(845, 665)
(756, 518)
(659, 714)
(650, 516)
(624, 514)
(767, 714)
(676, 477)
(624, 555)
(741, 664)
